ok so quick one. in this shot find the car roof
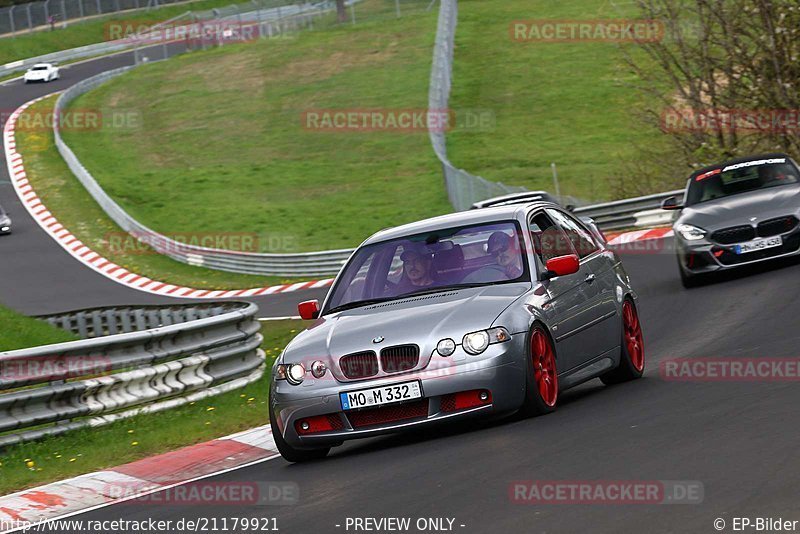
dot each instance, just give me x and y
(771, 155)
(460, 218)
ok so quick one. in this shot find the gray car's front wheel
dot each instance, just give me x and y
(541, 379)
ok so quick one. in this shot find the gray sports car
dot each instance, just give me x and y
(489, 311)
(740, 212)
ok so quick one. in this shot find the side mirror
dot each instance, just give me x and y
(562, 265)
(308, 310)
(671, 203)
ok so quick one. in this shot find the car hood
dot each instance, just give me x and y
(421, 320)
(5, 220)
(739, 209)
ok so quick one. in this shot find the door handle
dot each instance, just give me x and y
(590, 279)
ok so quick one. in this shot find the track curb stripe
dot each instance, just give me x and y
(38, 211)
(139, 478)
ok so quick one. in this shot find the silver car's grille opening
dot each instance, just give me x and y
(359, 365)
(735, 234)
(400, 358)
(778, 226)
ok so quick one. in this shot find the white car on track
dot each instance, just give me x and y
(41, 72)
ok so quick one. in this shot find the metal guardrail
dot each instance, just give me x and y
(132, 360)
(620, 213)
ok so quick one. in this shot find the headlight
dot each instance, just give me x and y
(476, 342)
(318, 369)
(446, 347)
(294, 373)
(689, 232)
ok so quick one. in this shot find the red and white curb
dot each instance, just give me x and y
(136, 480)
(638, 235)
(93, 260)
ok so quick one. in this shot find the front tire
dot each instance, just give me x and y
(631, 364)
(541, 377)
(291, 454)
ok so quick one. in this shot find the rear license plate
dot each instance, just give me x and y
(758, 244)
(364, 398)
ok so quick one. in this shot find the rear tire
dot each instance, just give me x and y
(291, 454)
(541, 376)
(632, 361)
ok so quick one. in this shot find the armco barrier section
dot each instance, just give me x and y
(132, 360)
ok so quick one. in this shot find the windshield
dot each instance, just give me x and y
(741, 178)
(469, 256)
(40, 68)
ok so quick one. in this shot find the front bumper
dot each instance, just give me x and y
(705, 256)
(500, 371)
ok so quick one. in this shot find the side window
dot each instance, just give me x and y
(581, 239)
(549, 241)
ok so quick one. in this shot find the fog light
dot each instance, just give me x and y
(484, 396)
(304, 425)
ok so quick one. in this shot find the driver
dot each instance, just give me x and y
(417, 262)
(504, 248)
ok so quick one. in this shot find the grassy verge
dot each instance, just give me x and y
(222, 146)
(565, 102)
(89, 31)
(72, 205)
(83, 451)
(19, 332)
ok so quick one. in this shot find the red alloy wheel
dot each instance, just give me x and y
(633, 335)
(544, 367)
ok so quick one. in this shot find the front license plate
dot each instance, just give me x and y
(363, 398)
(758, 244)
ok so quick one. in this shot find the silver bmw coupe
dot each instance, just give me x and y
(489, 311)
